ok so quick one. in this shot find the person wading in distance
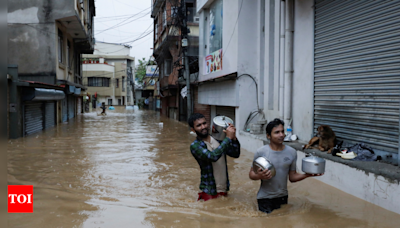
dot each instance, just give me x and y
(210, 154)
(273, 190)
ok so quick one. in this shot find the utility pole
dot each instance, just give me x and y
(186, 59)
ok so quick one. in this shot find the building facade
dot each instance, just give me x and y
(45, 43)
(168, 52)
(108, 75)
(308, 63)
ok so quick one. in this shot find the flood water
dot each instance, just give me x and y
(125, 170)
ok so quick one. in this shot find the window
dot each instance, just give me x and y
(98, 82)
(77, 60)
(215, 26)
(60, 46)
(123, 84)
(69, 60)
(110, 102)
(167, 67)
(174, 11)
(162, 71)
(155, 29)
(190, 12)
(164, 17)
(117, 83)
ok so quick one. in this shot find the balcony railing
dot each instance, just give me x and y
(164, 82)
(155, 7)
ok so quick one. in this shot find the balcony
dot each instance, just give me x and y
(155, 7)
(79, 24)
(164, 83)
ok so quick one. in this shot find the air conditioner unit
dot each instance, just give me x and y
(197, 19)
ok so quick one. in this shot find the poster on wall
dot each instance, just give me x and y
(213, 62)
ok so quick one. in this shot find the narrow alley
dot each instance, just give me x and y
(133, 168)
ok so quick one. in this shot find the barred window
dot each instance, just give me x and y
(98, 82)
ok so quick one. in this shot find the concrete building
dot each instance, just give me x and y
(309, 63)
(148, 88)
(168, 52)
(45, 43)
(108, 74)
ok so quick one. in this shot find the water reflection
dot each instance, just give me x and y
(126, 170)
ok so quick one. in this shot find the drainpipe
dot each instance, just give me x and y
(287, 112)
(281, 59)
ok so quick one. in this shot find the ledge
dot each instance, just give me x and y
(390, 172)
(61, 65)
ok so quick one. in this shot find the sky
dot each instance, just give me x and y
(125, 21)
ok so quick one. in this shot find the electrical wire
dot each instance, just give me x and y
(255, 113)
(258, 107)
(234, 28)
(124, 22)
(120, 24)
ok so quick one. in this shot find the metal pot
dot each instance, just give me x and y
(313, 165)
(263, 163)
(220, 123)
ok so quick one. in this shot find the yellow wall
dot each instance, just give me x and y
(103, 91)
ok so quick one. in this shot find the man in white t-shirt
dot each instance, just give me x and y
(273, 190)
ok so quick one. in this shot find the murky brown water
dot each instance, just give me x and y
(124, 170)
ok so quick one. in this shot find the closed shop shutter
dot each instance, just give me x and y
(71, 107)
(65, 110)
(79, 105)
(226, 111)
(357, 71)
(50, 114)
(33, 118)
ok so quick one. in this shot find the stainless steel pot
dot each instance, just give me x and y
(313, 165)
(220, 123)
(263, 163)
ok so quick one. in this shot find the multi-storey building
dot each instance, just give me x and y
(108, 74)
(168, 52)
(45, 43)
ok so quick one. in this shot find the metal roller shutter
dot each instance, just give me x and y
(65, 110)
(71, 107)
(357, 71)
(33, 118)
(226, 111)
(50, 115)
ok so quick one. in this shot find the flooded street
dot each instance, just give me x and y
(125, 170)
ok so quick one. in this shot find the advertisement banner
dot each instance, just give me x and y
(213, 62)
(151, 70)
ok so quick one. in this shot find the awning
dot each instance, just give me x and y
(77, 91)
(39, 94)
(65, 82)
(70, 89)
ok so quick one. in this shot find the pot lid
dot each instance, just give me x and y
(222, 120)
(313, 159)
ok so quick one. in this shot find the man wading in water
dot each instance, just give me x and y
(210, 154)
(273, 190)
(103, 106)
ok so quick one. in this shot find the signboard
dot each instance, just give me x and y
(213, 62)
(184, 92)
(151, 70)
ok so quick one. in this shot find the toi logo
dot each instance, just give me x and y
(20, 198)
